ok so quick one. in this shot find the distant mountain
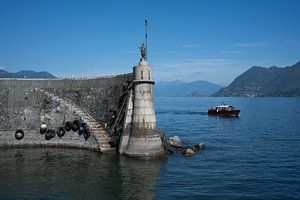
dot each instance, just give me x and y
(260, 81)
(25, 74)
(179, 88)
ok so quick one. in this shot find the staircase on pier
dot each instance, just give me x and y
(96, 129)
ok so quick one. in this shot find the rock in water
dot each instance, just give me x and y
(175, 141)
(200, 146)
(189, 152)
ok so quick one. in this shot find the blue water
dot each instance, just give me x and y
(255, 156)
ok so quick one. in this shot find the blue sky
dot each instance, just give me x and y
(187, 39)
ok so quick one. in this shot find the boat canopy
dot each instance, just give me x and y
(224, 107)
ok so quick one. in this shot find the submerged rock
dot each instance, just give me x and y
(175, 141)
(200, 146)
(189, 152)
(174, 145)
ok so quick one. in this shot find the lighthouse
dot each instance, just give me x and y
(140, 136)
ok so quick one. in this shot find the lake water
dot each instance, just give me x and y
(255, 156)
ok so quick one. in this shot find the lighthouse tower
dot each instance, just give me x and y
(141, 137)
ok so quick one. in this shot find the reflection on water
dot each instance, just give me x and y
(74, 174)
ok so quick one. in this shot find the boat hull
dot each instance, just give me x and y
(225, 113)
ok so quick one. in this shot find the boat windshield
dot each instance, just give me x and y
(225, 107)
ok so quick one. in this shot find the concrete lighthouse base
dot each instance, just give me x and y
(140, 136)
(145, 145)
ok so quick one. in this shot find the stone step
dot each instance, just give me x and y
(105, 146)
(102, 135)
(96, 128)
(108, 150)
(104, 143)
(96, 132)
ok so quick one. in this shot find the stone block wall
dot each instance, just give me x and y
(23, 105)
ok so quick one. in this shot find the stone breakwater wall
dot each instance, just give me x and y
(33, 138)
(27, 103)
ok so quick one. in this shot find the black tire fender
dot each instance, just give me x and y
(75, 125)
(43, 130)
(60, 131)
(19, 134)
(82, 128)
(68, 126)
(50, 133)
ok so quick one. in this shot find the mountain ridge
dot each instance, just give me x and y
(261, 81)
(25, 74)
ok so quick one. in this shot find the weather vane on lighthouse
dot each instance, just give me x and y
(144, 46)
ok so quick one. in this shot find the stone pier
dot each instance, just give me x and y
(27, 103)
(113, 113)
